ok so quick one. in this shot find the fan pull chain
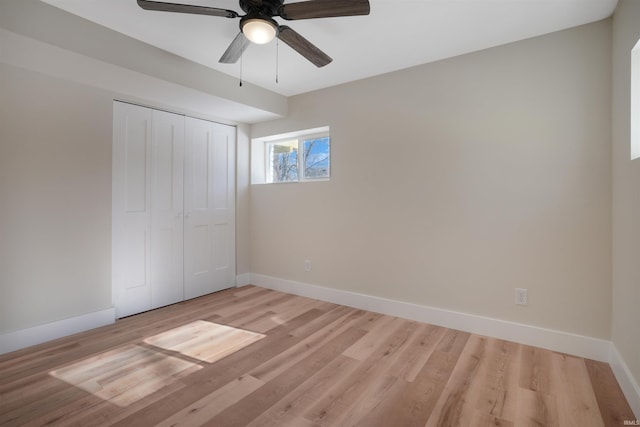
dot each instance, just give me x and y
(277, 57)
(241, 55)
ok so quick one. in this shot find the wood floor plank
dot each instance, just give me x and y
(258, 357)
(575, 398)
(364, 318)
(384, 326)
(314, 342)
(457, 402)
(70, 413)
(414, 404)
(36, 387)
(283, 313)
(293, 307)
(611, 401)
(417, 352)
(212, 404)
(106, 413)
(453, 341)
(379, 390)
(424, 340)
(352, 394)
(536, 370)
(250, 408)
(498, 392)
(205, 341)
(295, 404)
(247, 290)
(242, 308)
(37, 408)
(536, 409)
(481, 419)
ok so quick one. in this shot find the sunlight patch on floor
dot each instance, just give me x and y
(205, 341)
(125, 375)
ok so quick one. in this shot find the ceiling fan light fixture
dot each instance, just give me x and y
(259, 30)
(259, 27)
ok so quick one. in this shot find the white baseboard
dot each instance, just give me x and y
(628, 384)
(564, 342)
(42, 333)
(243, 279)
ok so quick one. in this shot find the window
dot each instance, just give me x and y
(296, 157)
(282, 161)
(316, 153)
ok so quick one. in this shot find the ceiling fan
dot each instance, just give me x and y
(258, 25)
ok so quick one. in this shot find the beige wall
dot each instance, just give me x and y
(626, 196)
(55, 192)
(455, 182)
(243, 239)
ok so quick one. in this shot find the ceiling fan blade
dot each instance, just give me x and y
(324, 9)
(186, 8)
(235, 49)
(303, 46)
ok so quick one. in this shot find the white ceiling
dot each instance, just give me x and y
(397, 34)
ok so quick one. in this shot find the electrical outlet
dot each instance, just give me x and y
(522, 296)
(307, 265)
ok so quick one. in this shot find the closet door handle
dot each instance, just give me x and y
(187, 215)
(179, 214)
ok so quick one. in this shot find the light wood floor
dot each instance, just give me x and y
(256, 357)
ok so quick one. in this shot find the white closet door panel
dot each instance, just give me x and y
(167, 154)
(197, 222)
(199, 168)
(135, 252)
(221, 256)
(135, 160)
(131, 213)
(222, 148)
(200, 250)
(223, 211)
(134, 295)
(209, 207)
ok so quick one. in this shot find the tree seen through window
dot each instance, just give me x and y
(284, 161)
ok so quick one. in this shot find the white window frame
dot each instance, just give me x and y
(261, 162)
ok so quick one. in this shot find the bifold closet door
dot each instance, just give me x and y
(167, 234)
(209, 223)
(130, 258)
(147, 233)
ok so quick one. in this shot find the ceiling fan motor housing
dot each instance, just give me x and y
(267, 8)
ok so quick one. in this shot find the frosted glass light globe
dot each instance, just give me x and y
(259, 31)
